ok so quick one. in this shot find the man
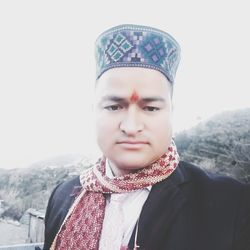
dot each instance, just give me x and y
(139, 195)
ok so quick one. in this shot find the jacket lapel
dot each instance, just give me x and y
(163, 205)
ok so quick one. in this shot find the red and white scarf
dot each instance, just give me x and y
(82, 226)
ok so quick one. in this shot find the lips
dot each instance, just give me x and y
(132, 144)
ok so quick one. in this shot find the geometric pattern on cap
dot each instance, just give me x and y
(137, 46)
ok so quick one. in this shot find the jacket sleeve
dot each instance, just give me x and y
(58, 206)
(242, 229)
(48, 232)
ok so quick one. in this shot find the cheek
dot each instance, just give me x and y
(106, 135)
(162, 120)
(102, 138)
(161, 127)
(106, 126)
(164, 131)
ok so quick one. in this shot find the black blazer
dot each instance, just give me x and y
(190, 210)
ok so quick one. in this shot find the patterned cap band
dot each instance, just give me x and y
(137, 46)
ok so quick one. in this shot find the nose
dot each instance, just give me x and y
(131, 123)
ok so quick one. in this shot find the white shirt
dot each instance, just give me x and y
(121, 214)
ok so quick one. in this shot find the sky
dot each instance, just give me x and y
(47, 68)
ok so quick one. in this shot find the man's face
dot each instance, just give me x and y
(133, 117)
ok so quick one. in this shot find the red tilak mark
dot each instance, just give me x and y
(134, 97)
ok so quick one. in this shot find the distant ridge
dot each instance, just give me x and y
(31, 187)
(220, 144)
(57, 161)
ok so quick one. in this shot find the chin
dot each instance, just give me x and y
(131, 164)
(131, 159)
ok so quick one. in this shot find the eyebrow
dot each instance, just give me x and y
(113, 98)
(153, 99)
(122, 99)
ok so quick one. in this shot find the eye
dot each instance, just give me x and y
(113, 107)
(151, 108)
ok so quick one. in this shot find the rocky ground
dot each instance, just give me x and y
(12, 233)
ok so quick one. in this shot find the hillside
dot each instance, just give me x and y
(30, 187)
(220, 144)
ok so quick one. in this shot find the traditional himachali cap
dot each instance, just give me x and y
(132, 45)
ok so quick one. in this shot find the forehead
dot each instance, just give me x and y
(132, 83)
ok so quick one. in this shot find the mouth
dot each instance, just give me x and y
(131, 144)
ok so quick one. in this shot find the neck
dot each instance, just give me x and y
(119, 171)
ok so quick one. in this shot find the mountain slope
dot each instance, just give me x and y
(220, 144)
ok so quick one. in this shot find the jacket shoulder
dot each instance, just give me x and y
(66, 189)
(224, 200)
(215, 192)
(59, 203)
(202, 177)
